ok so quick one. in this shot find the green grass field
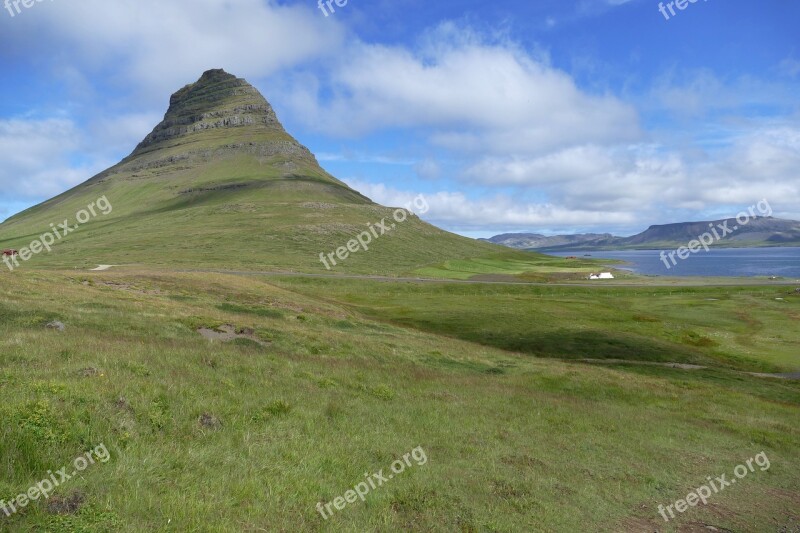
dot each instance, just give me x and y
(349, 375)
(511, 264)
(743, 328)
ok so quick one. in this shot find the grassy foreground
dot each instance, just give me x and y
(738, 327)
(340, 378)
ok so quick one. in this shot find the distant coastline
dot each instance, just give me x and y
(780, 262)
(756, 232)
(662, 246)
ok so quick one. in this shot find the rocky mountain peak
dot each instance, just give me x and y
(216, 100)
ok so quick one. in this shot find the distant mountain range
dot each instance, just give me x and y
(535, 241)
(728, 233)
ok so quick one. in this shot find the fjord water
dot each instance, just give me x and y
(782, 262)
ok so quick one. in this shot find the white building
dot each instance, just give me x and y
(602, 275)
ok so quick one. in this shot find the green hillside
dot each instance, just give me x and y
(220, 183)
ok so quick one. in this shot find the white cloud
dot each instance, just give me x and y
(474, 94)
(456, 212)
(763, 163)
(36, 157)
(160, 46)
(756, 164)
(575, 163)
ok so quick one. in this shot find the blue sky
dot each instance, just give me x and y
(554, 116)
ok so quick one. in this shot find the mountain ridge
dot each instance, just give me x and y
(758, 232)
(526, 241)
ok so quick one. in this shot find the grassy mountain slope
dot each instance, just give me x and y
(219, 183)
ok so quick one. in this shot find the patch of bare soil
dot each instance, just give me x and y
(229, 333)
(209, 421)
(89, 372)
(122, 403)
(66, 505)
(129, 288)
(494, 277)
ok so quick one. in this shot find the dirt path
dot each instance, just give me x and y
(788, 375)
(740, 283)
(684, 366)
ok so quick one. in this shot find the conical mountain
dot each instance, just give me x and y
(219, 119)
(219, 183)
(216, 100)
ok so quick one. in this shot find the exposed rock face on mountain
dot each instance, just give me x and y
(216, 100)
(214, 118)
